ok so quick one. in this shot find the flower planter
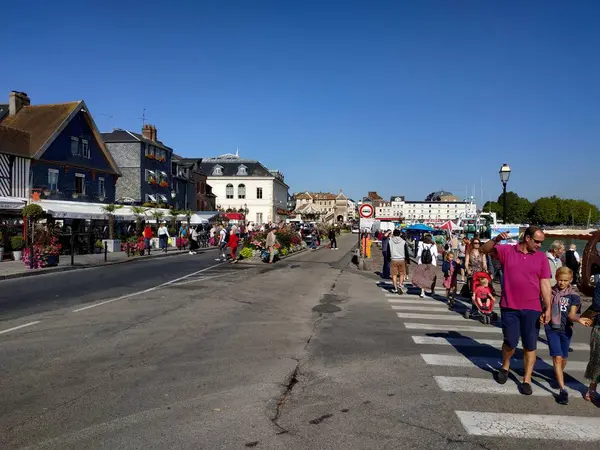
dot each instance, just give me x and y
(97, 250)
(17, 255)
(52, 260)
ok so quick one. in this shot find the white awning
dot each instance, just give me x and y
(163, 198)
(152, 198)
(202, 217)
(11, 203)
(80, 210)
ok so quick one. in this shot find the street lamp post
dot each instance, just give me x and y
(504, 176)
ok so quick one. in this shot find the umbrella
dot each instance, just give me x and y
(451, 226)
(419, 227)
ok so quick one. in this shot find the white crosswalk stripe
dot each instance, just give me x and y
(488, 386)
(467, 342)
(491, 362)
(447, 328)
(452, 332)
(530, 426)
(454, 317)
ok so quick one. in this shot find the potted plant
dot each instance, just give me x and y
(164, 184)
(51, 252)
(138, 211)
(17, 243)
(114, 245)
(98, 246)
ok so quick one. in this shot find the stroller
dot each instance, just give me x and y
(485, 312)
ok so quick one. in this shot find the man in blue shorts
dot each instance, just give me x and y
(527, 278)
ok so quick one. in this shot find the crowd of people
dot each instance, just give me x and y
(537, 290)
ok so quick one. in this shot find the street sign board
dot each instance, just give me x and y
(366, 211)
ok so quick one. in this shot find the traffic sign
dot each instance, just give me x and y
(366, 211)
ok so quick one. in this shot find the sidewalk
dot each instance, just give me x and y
(17, 269)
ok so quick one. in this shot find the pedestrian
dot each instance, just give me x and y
(233, 243)
(194, 236)
(147, 237)
(526, 280)
(450, 269)
(332, 239)
(592, 372)
(554, 253)
(223, 238)
(271, 242)
(385, 271)
(475, 261)
(163, 236)
(462, 255)
(573, 262)
(399, 258)
(425, 273)
(565, 306)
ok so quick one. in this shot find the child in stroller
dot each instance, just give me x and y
(483, 299)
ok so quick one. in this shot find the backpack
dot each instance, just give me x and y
(426, 257)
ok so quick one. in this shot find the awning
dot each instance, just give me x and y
(12, 203)
(152, 198)
(234, 216)
(163, 198)
(202, 217)
(80, 210)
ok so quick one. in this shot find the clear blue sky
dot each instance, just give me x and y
(402, 97)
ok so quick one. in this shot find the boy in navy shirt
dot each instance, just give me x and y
(565, 307)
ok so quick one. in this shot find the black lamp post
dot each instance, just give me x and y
(504, 176)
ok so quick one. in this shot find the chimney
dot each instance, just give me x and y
(149, 132)
(16, 101)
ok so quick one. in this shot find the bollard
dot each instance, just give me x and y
(127, 249)
(105, 251)
(72, 250)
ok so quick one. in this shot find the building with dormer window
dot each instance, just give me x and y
(242, 184)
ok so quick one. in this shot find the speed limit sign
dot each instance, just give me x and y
(366, 211)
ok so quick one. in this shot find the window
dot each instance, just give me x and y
(80, 183)
(150, 175)
(242, 191)
(229, 191)
(259, 193)
(149, 150)
(53, 179)
(85, 149)
(242, 170)
(74, 146)
(101, 187)
(217, 171)
(259, 218)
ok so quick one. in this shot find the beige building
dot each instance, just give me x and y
(321, 207)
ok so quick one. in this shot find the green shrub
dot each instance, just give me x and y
(246, 253)
(99, 244)
(17, 243)
(33, 211)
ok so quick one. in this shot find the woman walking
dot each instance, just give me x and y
(475, 261)
(425, 273)
(163, 236)
(385, 272)
(194, 241)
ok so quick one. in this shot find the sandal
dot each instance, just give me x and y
(590, 396)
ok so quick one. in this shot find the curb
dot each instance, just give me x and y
(36, 272)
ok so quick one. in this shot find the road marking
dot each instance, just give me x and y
(467, 342)
(430, 316)
(541, 388)
(448, 328)
(133, 294)
(493, 362)
(412, 301)
(433, 308)
(181, 283)
(19, 327)
(530, 426)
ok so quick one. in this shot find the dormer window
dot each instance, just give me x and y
(242, 170)
(217, 170)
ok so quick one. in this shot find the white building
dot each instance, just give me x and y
(424, 212)
(352, 210)
(246, 184)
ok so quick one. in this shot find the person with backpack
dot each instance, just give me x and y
(425, 273)
(397, 252)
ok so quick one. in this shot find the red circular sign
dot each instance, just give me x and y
(366, 211)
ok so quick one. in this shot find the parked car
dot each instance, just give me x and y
(355, 229)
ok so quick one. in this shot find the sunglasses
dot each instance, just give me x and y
(476, 243)
(537, 241)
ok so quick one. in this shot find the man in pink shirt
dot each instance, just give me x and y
(527, 278)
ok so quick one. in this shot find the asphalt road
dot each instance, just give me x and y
(21, 297)
(304, 354)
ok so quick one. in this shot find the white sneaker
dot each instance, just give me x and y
(422, 295)
(191, 252)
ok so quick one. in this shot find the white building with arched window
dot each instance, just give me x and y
(242, 183)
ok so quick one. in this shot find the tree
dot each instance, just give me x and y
(138, 211)
(157, 215)
(517, 207)
(174, 213)
(188, 213)
(545, 211)
(494, 207)
(109, 210)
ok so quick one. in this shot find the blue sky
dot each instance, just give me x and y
(401, 97)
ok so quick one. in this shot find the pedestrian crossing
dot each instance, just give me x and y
(454, 344)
